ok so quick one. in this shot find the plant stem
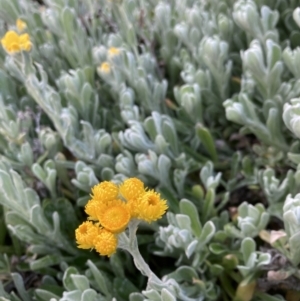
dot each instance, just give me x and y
(131, 245)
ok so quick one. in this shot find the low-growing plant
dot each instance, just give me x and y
(149, 150)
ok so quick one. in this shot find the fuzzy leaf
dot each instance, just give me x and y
(189, 209)
(99, 278)
(166, 295)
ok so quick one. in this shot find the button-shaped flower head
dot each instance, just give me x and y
(12, 42)
(105, 68)
(113, 51)
(150, 206)
(85, 235)
(21, 25)
(106, 243)
(131, 190)
(115, 216)
(102, 195)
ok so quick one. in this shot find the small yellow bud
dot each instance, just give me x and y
(105, 67)
(113, 51)
(21, 25)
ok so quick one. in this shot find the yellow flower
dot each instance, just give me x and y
(105, 192)
(113, 51)
(105, 67)
(12, 42)
(85, 235)
(91, 209)
(131, 190)
(102, 195)
(150, 207)
(24, 41)
(115, 217)
(105, 243)
(21, 25)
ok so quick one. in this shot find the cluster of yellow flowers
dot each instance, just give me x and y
(111, 209)
(105, 67)
(12, 42)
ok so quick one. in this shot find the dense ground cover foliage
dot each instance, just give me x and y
(198, 100)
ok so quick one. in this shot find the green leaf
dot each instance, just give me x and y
(19, 284)
(44, 262)
(81, 282)
(3, 292)
(184, 273)
(152, 295)
(44, 295)
(191, 248)
(294, 243)
(136, 297)
(245, 291)
(275, 127)
(38, 220)
(207, 140)
(207, 233)
(248, 247)
(67, 279)
(183, 221)
(8, 191)
(89, 295)
(131, 36)
(39, 172)
(124, 287)
(166, 295)
(217, 248)
(117, 265)
(107, 174)
(99, 279)
(216, 269)
(208, 205)
(68, 21)
(26, 154)
(51, 288)
(266, 297)
(188, 208)
(295, 158)
(86, 92)
(66, 212)
(3, 228)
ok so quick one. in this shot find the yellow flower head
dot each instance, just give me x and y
(150, 207)
(105, 192)
(105, 67)
(106, 243)
(92, 209)
(21, 25)
(132, 188)
(102, 195)
(24, 41)
(85, 235)
(12, 42)
(115, 217)
(113, 51)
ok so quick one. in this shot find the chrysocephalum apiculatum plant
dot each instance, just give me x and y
(197, 100)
